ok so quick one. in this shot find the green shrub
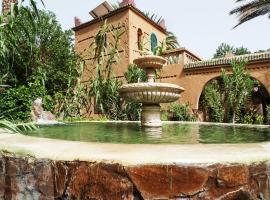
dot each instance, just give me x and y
(15, 103)
(212, 101)
(133, 111)
(164, 115)
(135, 75)
(180, 112)
(248, 119)
(259, 119)
(268, 114)
(43, 49)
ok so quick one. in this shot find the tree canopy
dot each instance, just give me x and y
(224, 49)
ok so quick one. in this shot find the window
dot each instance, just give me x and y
(153, 42)
(140, 40)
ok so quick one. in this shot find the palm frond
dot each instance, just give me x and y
(16, 128)
(116, 5)
(153, 17)
(251, 10)
(171, 41)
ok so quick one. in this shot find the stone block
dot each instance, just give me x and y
(233, 176)
(100, 181)
(44, 179)
(157, 182)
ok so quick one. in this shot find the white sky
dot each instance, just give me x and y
(199, 25)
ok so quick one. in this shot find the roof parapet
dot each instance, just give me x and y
(227, 61)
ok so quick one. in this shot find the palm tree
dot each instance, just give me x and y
(171, 41)
(251, 10)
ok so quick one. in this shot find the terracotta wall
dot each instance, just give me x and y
(6, 4)
(136, 22)
(85, 36)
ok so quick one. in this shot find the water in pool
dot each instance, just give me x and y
(132, 133)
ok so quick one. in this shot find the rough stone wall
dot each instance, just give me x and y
(6, 4)
(39, 179)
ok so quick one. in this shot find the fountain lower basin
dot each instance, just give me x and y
(151, 93)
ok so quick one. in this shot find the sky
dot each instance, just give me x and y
(201, 26)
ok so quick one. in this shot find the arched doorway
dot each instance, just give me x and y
(212, 103)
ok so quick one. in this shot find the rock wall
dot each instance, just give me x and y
(27, 178)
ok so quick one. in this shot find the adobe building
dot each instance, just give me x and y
(6, 5)
(184, 68)
(126, 18)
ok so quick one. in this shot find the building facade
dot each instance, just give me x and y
(184, 68)
(137, 29)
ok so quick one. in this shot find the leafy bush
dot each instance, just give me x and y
(134, 74)
(164, 115)
(259, 119)
(15, 103)
(212, 101)
(248, 119)
(133, 111)
(43, 50)
(180, 112)
(268, 114)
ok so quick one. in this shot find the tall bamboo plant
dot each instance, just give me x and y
(9, 48)
(104, 51)
(237, 89)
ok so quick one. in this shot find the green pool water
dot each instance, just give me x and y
(132, 133)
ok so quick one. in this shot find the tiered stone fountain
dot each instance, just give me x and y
(151, 94)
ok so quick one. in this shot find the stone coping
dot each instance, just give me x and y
(227, 61)
(176, 122)
(135, 154)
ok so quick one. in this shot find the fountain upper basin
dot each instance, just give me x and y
(151, 93)
(150, 61)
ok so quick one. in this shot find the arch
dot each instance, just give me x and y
(140, 39)
(202, 89)
(219, 76)
(260, 95)
(154, 42)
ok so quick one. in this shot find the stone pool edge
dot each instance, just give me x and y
(135, 154)
(27, 177)
(29, 171)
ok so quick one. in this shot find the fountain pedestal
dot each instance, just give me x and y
(151, 115)
(150, 94)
